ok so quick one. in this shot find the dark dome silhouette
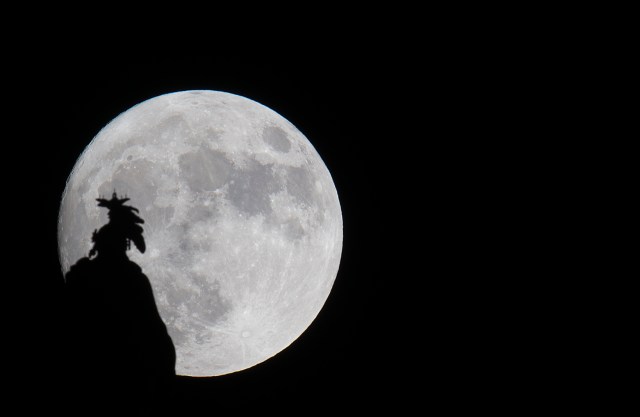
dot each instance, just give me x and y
(121, 351)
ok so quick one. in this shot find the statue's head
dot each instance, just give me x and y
(114, 238)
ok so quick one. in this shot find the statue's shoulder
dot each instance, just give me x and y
(78, 269)
(80, 264)
(134, 267)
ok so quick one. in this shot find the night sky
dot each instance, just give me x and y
(450, 138)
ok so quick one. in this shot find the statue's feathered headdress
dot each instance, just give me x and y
(123, 224)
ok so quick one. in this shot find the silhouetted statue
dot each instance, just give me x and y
(122, 349)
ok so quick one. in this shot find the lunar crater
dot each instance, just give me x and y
(251, 187)
(276, 138)
(205, 169)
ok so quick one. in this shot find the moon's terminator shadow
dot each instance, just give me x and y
(121, 351)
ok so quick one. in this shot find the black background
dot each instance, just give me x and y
(352, 355)
(446, 135)
(434, 143)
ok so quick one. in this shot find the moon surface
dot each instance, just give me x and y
(242, 222)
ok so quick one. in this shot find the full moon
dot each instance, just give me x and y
(243, 225)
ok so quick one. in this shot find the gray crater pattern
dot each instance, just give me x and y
(205, 169)
(276, 138)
